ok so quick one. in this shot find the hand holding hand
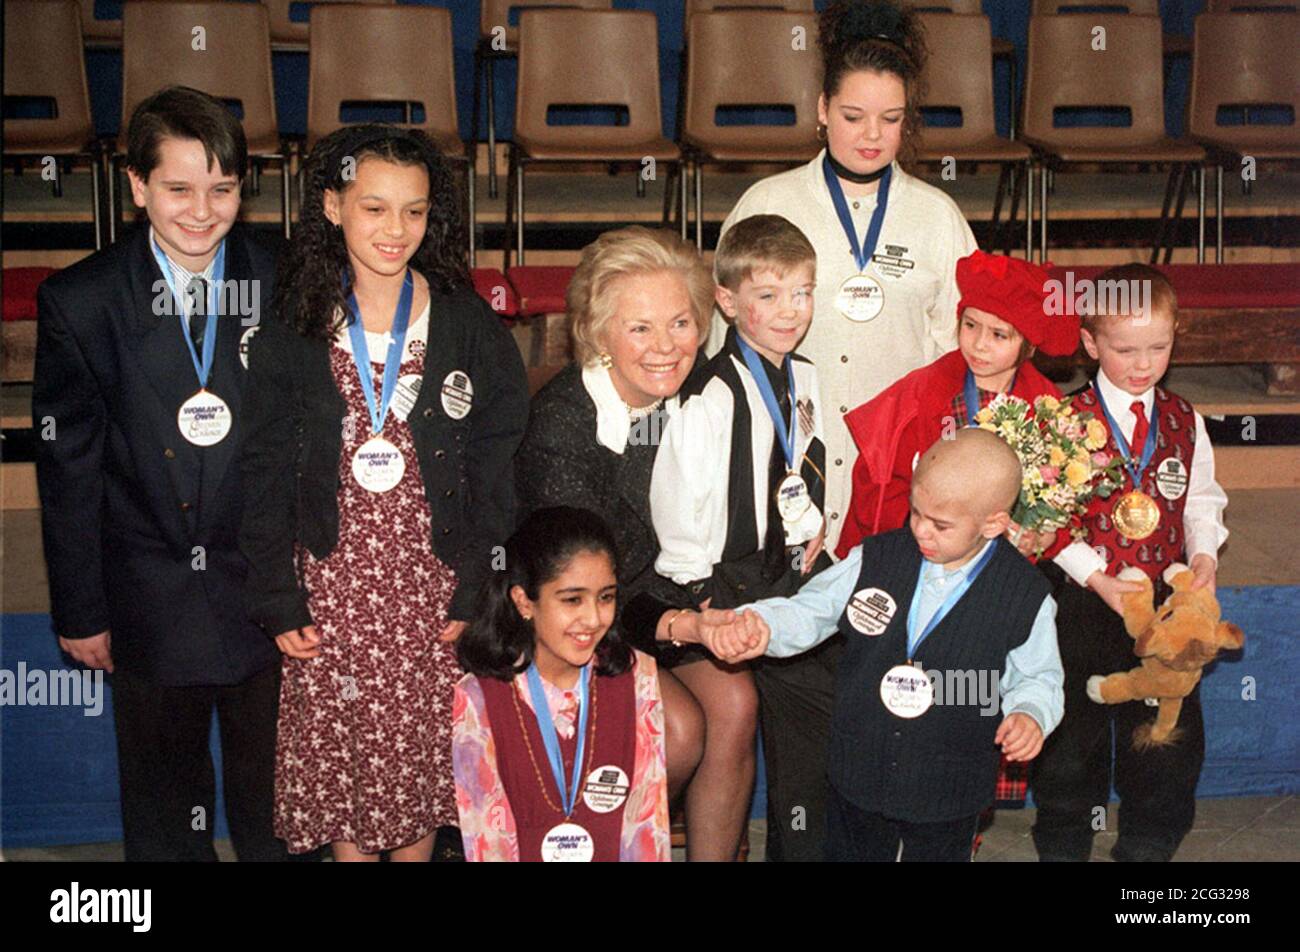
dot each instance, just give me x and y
(1111, 589)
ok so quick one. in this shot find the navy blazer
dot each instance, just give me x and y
(140, 526)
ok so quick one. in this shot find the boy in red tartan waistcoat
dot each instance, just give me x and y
(1168, 510)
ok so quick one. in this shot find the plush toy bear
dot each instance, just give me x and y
(1175, 642)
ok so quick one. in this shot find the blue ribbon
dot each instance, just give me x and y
(914, 642)
(551, 740)
(1147, 451)
(784, 430)
(973, 396)
(202, 367)
(393, 360)
(861, 254)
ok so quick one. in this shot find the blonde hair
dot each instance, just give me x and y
(1163, 302)
(591, 299)
(760, 242)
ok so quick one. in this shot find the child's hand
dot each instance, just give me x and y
(744, 638)
(1029, 541)
(1205, 568)
(813, 549)
(1111, 589)
(1020, 736)
(301, 643)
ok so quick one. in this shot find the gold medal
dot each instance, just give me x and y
(1136, 515)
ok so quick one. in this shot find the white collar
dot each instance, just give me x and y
(1119, 402)
(613, 425)
(184, 272)
(935, 570)
(418, 329)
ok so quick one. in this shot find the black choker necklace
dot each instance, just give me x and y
(858, 178)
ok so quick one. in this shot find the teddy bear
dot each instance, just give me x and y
(1175, 642)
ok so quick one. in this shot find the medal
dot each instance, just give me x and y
(378, 465)
(906, 691)
(792, 499)
(1135, 513)
(204, 419)
(861, 297)
(569, 842)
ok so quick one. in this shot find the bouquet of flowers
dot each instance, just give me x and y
(1062, 454)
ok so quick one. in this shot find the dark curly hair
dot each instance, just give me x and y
(309, 294)
(883, 37)
(499, 643)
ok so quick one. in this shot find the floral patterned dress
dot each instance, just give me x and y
(364, 739)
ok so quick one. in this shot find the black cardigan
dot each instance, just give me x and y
(560, 463)
(293, 439)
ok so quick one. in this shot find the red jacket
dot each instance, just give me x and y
(901, 422)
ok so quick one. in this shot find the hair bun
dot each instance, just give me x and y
(882, 21)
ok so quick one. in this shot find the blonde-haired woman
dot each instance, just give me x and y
(639, 307)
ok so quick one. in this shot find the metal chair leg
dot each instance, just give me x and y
(96, 176)
(1200, 214)
(492, 126)
(1184, 174)
(1164, 212)
(519, 211)
(1218, 214)
(699, 204)
(470, 186)
(1043, 175)
(681, 189)
(1029, 210)
(286, 206)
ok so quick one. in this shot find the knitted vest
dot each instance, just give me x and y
(943, 764)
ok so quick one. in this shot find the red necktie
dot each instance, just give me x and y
(1139, 441)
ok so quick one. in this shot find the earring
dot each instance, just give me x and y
(821, 132)
(606, 361)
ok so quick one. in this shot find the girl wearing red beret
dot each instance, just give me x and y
(1002, 320)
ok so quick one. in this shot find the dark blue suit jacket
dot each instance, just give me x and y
(140, 526)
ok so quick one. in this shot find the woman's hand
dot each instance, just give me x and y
(301, 643)
(814, 549)
(453, 630)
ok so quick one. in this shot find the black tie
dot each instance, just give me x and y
(198, 296)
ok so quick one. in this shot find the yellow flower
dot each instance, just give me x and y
(1056, 456)
(1076, 473)
(1067, 410)
(1096, 435)
(984, 416)
(988, 426)
(1050, 404)
(1082, 455)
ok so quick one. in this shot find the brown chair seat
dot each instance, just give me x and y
(1163, 149)
(988, 149)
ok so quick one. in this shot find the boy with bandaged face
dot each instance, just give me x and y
(942, 602)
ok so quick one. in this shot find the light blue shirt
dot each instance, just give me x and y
(1032, 682)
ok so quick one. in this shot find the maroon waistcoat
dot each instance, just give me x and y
(611, 742)
(1176, 441)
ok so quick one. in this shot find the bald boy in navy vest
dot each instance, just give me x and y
(139, 374)
(950, 658)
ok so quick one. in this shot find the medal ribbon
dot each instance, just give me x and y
(551, 740)
(861, 253)
(202, 367)
(1147, 451)
(393, 360)
(784, 430)
(914, 642)
(973, 396)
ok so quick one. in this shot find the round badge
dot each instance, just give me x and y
(204, 419)
(405, 394)
(606, 789)
(860, 298)
(457, 394)
(1171, 477)
(567, 843)
(906, 691)
(792, 499)
(244, 340)
(871, 610)
(378, 465)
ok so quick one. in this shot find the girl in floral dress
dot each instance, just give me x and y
(386, 405)
(559, 748)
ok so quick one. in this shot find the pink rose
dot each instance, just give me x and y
(1100, 460)
(1049, 473)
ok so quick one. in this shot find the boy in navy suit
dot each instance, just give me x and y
(139, 380)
